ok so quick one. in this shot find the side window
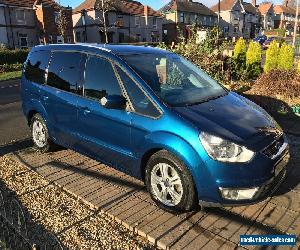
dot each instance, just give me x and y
(139, 100)
(36, 65)
(64, 71)
(100, 78)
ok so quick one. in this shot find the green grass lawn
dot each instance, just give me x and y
(10, 75)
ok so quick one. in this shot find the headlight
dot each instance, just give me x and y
(223, 150)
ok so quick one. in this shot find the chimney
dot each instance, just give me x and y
(146, 13)
(254, 3)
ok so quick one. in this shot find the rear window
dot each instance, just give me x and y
(36, 65)
(64, 71)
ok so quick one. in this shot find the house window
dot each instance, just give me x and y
(56, 17)
(182, 17)
(41, 40)
(84, 38)
(78, 36)
(23, 41)
(120, 21)
(138, 37)
(60, 39)
(226, 29)
(137, 21)
(187, 19)
(154, 20)
(20, 16)
(204, 20)
(235, 29)
(154, 37)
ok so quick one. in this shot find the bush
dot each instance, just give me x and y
(253, 60)
(13, 56)
(298, 67)
(239, 59)
(10, 67)
(272, 57)
(286, 57)
(206, 55)
(276, 88)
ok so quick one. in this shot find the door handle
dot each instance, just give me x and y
(86, 111)
(45, 98)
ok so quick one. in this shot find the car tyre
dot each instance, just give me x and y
(169, 183)
(40, 135)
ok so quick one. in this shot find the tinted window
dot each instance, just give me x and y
(100, 78)
(36, 65)
(64, 71)
(139, 100)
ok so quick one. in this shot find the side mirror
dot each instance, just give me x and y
(114, 102)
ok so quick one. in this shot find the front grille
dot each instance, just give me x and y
(274, 148)
(272, 186)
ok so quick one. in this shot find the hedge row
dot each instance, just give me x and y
(13, 56)
(10, 67)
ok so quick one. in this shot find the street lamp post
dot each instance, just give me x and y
(219, 16)
(296, 24)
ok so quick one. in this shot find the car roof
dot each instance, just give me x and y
(109, 48)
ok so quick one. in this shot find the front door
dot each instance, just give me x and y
(59, 96)
(105, 133)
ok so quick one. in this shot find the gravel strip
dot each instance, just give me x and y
(52, 209)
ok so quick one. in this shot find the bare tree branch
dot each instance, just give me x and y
(106, 6)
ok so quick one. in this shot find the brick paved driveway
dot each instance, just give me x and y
(126, 200)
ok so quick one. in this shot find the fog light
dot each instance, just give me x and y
(238, 194)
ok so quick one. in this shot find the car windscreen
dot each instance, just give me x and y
(174, 79)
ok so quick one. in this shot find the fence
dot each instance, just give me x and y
(14, 232)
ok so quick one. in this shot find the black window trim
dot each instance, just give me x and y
(47, 65)
(80, 84)
(144, 92)
(123, 92)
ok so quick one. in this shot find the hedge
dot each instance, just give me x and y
(13, 56)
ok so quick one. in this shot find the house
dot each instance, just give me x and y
(267, 15)
(54, 22)
(127, 21)
(285, 17)
(252, 19)
(182, 15)
(25, 23)
(239, 18)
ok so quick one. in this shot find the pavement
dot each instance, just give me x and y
(126, 201)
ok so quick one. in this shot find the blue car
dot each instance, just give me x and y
(260, 39)
(155, 116)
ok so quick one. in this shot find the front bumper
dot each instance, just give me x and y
(266, 184)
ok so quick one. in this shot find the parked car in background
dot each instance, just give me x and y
(260, 39)
(156, 116)
(267, 43)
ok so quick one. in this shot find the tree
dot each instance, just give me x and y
(272, 57)
(286, 57)
(239, 58)
(62, 22)
(105, 6)
(253, 60)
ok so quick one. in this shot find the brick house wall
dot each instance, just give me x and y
(25, 23)
(49, 32)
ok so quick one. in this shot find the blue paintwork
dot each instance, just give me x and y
(121, 139)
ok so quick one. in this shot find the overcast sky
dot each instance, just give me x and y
(155, 4)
